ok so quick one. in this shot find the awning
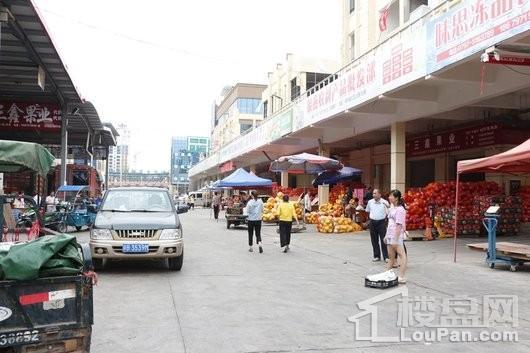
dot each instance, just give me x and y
(27, 45)
(27, 48)
(514, 161)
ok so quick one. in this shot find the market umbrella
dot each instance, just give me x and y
(336, 176)
(304, 163)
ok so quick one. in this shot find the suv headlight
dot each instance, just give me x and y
(100, 234)
(169, 234)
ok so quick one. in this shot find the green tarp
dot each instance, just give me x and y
(44, 257)
(18, 156)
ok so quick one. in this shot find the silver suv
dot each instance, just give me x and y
(137, 223)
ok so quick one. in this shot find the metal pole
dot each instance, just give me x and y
(64, 145)
(456, 215)
(107, 170)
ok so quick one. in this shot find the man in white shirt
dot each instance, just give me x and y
(19, 201)
(51, 202)
(377, 209)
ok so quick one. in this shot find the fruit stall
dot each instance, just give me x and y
(505, 213)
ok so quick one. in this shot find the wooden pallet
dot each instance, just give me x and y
(515, 250)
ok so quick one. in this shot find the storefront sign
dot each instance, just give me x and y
(226, 167)
(465, 138)
(281, 126)
(399, 60)
(472, 26)
(269, 131)
(28, 116)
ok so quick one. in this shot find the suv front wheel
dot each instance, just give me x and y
(175, 263)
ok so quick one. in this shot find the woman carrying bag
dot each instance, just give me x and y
(287, 214)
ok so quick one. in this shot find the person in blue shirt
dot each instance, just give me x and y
(255, 215)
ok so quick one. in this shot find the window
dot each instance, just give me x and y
(249, 105)
(295, 89)
(352, 6)
(204, 141)
(244, 127)
(312, 78)
(352, 46)
(265, 106)
(389, 18)
(413, 6)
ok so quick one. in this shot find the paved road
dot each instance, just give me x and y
(226, 299)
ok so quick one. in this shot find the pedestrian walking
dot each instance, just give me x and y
(395, 233)
(255, 215)
(192, 202)
(307, 202)
(287, 213)
(377, 209)
(216, 204)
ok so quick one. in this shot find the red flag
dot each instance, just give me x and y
(383, 18)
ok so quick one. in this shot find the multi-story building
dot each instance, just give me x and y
(420, 89)
(186, 151)
(366, 24)
(238, 110)
(119, 154)
(291, 78)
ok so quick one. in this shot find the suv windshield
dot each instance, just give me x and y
(137, 200)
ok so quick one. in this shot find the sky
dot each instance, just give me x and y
(158, 65)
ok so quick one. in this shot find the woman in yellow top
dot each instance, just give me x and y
(287, 214)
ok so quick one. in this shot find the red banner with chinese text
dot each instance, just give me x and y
(30, 116)
(465, 138)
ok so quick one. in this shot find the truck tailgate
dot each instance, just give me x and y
(29, 310)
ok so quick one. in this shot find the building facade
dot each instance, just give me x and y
(365, 24)
(186, 151)
(119, 154)
(420, 89)
(238, 110)
(291, 78)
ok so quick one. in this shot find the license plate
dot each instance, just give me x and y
(135, 248)
(19, 338)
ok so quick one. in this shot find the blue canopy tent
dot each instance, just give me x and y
(243, 179)
(334, 177)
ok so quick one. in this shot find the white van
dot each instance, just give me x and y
(202, 198)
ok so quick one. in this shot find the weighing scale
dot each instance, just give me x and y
(491, 219)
